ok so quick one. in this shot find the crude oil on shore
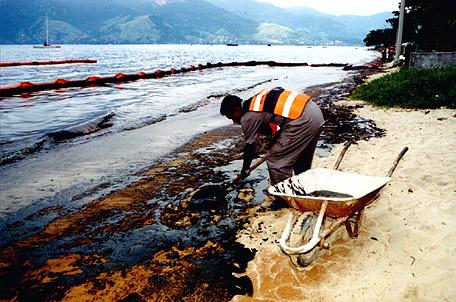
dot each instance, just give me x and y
(142, 242)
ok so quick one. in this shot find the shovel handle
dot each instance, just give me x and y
(257, 163)
(252, 167)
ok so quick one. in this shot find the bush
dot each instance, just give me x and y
(412, 88)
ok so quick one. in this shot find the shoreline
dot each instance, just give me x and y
(74, 245)
(167, 184)
(73, 167)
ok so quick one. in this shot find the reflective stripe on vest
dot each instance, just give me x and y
(288, 104)
(257, 102)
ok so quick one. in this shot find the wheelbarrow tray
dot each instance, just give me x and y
(362, 189)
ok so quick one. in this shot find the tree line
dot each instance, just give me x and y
(428, 24)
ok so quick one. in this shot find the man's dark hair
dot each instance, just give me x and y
(229, 103)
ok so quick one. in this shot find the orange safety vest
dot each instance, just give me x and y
(278, 101)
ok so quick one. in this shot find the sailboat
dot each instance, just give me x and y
(46, 43)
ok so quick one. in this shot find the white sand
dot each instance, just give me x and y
(406, 249)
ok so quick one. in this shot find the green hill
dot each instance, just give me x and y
(174, 21)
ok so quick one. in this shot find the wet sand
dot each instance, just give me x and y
(141, 242)
(134, 242)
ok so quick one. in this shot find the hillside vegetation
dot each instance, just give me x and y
(176, 21)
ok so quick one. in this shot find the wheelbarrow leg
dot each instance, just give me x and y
(358, 221)
(348, 228)
(353, 233)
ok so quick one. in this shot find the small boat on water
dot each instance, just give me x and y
(46, 43)
(232, 44)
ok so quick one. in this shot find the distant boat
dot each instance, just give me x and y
(46, 43)
(269, 44)
(232, 44)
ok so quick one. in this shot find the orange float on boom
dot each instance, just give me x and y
(26, 87)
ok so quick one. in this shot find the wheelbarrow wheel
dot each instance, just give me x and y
(307, 227)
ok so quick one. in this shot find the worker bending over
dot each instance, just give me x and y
(298, 118)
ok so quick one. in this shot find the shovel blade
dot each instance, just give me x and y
(209, 197)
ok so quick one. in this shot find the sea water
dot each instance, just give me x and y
(147, 118)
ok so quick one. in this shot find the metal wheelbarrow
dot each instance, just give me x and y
(329, 192)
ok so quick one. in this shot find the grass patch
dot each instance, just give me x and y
(412, 88)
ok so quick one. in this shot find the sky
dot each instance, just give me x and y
(342, 7)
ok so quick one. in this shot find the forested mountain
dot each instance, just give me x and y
(321, 27)
(176, 21)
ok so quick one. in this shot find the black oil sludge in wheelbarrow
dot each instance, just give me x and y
(347, 211)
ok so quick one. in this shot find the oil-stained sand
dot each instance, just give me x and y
(144, 242)
(140, 242)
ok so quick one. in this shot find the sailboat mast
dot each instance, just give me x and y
(47, 31)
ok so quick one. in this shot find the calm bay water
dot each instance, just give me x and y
(26, 122)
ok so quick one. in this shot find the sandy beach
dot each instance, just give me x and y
(406, 249)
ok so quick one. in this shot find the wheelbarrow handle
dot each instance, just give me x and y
(390, 172)
(341, 155)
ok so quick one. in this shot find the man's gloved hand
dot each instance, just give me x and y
(244, 173)
(249, 154)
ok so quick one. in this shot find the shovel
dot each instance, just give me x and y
(213, 196)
